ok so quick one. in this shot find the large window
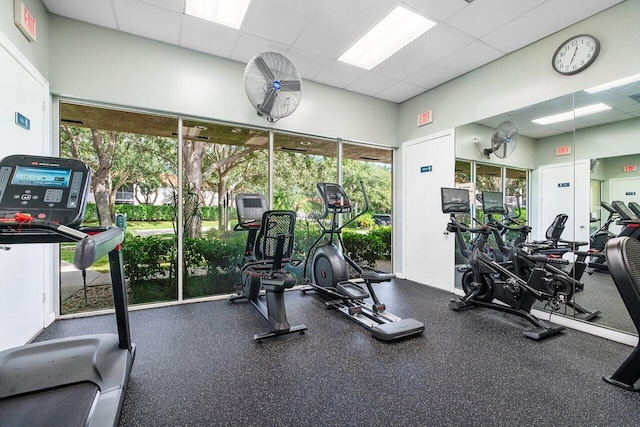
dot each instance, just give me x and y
(177, 199)
(369, 167)
(133, 158)
(218, 163)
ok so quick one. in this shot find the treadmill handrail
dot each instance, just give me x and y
(94, 247)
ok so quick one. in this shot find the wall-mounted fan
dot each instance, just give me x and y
(273, 85)
(503, 141)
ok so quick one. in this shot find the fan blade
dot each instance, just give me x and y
(267, 105)
(264, 69)
(290, 85)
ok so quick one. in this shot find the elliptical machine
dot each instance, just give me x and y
(326, 271)
(268, 249)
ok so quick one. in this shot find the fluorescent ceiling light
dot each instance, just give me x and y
(615, 83)
(578, 112)
(396, 30)
(224, 12)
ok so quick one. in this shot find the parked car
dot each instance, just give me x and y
(382, 219)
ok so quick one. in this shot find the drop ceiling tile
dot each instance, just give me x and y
(371, 84)
(484, 16)
(172, 5)
(541, 21)
(438, 9)
(307, 64)
(400, 92)
(148, 21)
(98, 12)
(248, 46)
(424, 51)
(279, 20)
(339, 74)
(464, 60)
(339, 24)
(208, 37)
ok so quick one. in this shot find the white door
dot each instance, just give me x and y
(428, 253)
(564, 188)
(23, 267)
(626, 190)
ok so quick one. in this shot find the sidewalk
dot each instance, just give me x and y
(71, 279)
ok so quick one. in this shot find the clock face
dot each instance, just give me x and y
(576, 54)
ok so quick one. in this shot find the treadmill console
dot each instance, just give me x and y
(250, 209)
(47, 188)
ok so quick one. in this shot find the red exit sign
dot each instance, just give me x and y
(630, 168)
(563, 151)
(425, 118)
(25, 21)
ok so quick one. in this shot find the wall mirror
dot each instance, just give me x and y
(593, 138)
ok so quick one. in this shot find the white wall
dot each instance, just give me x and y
(37, 53)
(99, 64)
(524, 157)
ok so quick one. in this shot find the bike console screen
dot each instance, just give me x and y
(250, 209)
(46, 188)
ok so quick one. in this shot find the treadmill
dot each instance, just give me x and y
(68, 381)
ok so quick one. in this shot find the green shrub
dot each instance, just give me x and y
(149, 212)
(367, 249)
(366, 221)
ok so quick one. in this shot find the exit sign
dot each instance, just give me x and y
(630, 168)
(24, 20)
(425, 118)
(563, 151)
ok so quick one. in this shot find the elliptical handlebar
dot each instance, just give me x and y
(343, 205)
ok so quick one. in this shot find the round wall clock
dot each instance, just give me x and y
(576, 54)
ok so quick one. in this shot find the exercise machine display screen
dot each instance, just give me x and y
(43, 177)
(47, 188)
(455, 200)
(492, 202)
(250, 209)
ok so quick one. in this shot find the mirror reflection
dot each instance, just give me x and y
(573, 155)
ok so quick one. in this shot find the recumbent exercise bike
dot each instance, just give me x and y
(268, 249)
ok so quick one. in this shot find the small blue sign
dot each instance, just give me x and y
(563, 184)
(424, 169)
(630, 193)
(22, 121)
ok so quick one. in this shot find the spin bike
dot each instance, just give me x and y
(563, 282)
(489, 284)
(326, 271)
(267, 251)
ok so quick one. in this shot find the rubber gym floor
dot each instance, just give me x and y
(197, 365)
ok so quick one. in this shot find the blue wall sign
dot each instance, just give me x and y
(630, 193)
(424, 169)
(22, 121)
(563, 184)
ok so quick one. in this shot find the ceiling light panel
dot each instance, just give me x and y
(396, 30)
(223, 12)
(615, 83)
(569, 115)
